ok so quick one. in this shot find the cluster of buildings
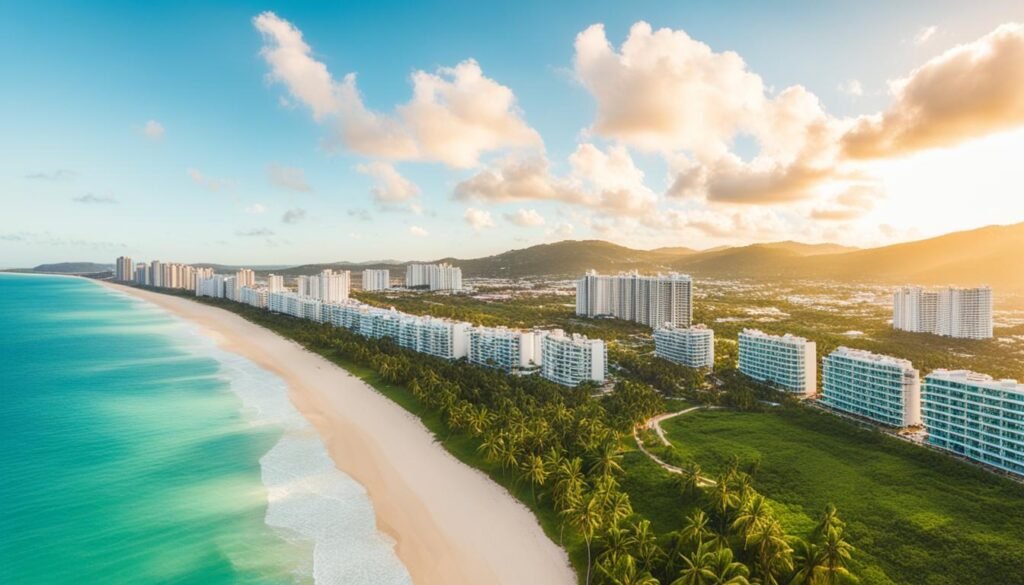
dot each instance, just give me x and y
(650, 300)
(433, 276)
(157, 273)
(953, 312)
(964, 412)
(374, 279)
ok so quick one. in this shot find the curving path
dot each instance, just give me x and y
(654, 423)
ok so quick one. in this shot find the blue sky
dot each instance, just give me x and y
(235, 168)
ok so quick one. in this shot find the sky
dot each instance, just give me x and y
(285, 133)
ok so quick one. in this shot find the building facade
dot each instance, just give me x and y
(975, 416)
(689, 346)
(571, 359)
(881, 388)
(376, 279)
(328, 286)
(786, 361)
(433, 276)
(124, 269)
(952, 312)
(507, 349)
(654, 301)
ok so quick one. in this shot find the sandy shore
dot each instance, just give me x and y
(451, 523)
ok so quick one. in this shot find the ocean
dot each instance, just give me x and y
(133, 450)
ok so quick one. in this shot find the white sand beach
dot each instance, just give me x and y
(451, 523)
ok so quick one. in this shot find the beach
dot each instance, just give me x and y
(451, 524)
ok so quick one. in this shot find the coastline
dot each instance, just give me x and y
(451, 524)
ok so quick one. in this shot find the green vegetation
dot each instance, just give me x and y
(916, 515)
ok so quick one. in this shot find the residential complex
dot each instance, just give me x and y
(328, 286)
(124, 269)
(507, 349)
(376, 279)
(651, 300)
(884, 389)
(159, 274)
(433, 276)
(689, 346)
(785, 361)
(571, 359)
(975, 416)
(953, 312)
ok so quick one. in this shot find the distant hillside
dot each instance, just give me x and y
(74, 267)
(802, 249)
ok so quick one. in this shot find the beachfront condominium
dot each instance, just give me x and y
(165, 275)
(651, 300)
(275, 283)
(328, 286)
(572, 359)
(124, 269)
(953, 312)
(785, 361)
(244, 278)
(975, 416)
(256, 297)
(441, 338)
(507, 349)
(433, 276)
(689, 346)
(884, 389)
(301, 307)
(376, 279)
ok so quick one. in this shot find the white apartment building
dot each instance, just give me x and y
(881, 388)
(376, 279)
(571, 359)
(953, 312)
(974, 416)
(693, 347)
(256, 297)
(275, 283)
(141, 274)
(433, 276)
(437, 337)
(214, 286)
(651, 300)
(245, 277)
(507, 349)
(296, 306)
(786, 361)
(328, 286)
(124, 269)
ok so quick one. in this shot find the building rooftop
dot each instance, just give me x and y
(976, 379)
(867, 356)
(789, 337)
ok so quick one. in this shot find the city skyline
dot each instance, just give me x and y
(282, 134)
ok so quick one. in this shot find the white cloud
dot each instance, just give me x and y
(209, 183)
(256, 209)
(852, 87)
(924, 34)
(418, 231)
(254, 233)
(293, 215)
(89, 198)
(455, 115)
(478, 218)
(288, 178)
(561, 231)
(390, 187)
(153, 130)
(525, 218)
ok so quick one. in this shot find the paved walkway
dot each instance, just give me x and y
(654, 423)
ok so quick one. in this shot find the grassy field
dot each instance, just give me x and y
(916, 516)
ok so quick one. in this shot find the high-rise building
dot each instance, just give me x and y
(297, 306)
(256, 297)
(974, 416)
(214, 286)
(572, 359)
(245, 277)
(141, 274)
(328, 286)
(884, 389)
(376, 279)
(785, 361)
(651, 300)
(689, 346)
(275, 283)
(953, 312)
(433, 276)
(507, 349)
(124, 269)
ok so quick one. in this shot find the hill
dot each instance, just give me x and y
(74, 268)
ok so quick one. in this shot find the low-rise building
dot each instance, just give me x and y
(786, 361)
(881, 388)
(975, 416)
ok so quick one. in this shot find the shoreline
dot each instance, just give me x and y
(451, 524)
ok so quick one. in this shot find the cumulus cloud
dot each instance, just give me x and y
(254, 233)
(288, 178)
(390, 186)
(418, 231)
(153, 130)
(852, 88)
(852, 203)
(966, 92)
(478, 219)
(89, 198)
(525, 218)
(924, 34)
(455, 113)
(293, 215)
(209, 183)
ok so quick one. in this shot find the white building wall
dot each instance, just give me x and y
(785, 361)
(881, 388)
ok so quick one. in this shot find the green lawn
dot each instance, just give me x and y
(916, 516)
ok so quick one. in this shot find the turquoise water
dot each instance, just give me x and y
(134, 451)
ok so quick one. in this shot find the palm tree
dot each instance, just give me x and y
(607, 462)
(535, 472)
(491, 446)
(688, 481)
(697, 567)
(615, 543)
(723, 497)
(773, 554)
(808, 562)
(696, 530)
(829, 519)
(619, 507)
(645, 544)
(726, 570)
(624, 572)
(586, 518)
(754, 513)
(835, 554)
